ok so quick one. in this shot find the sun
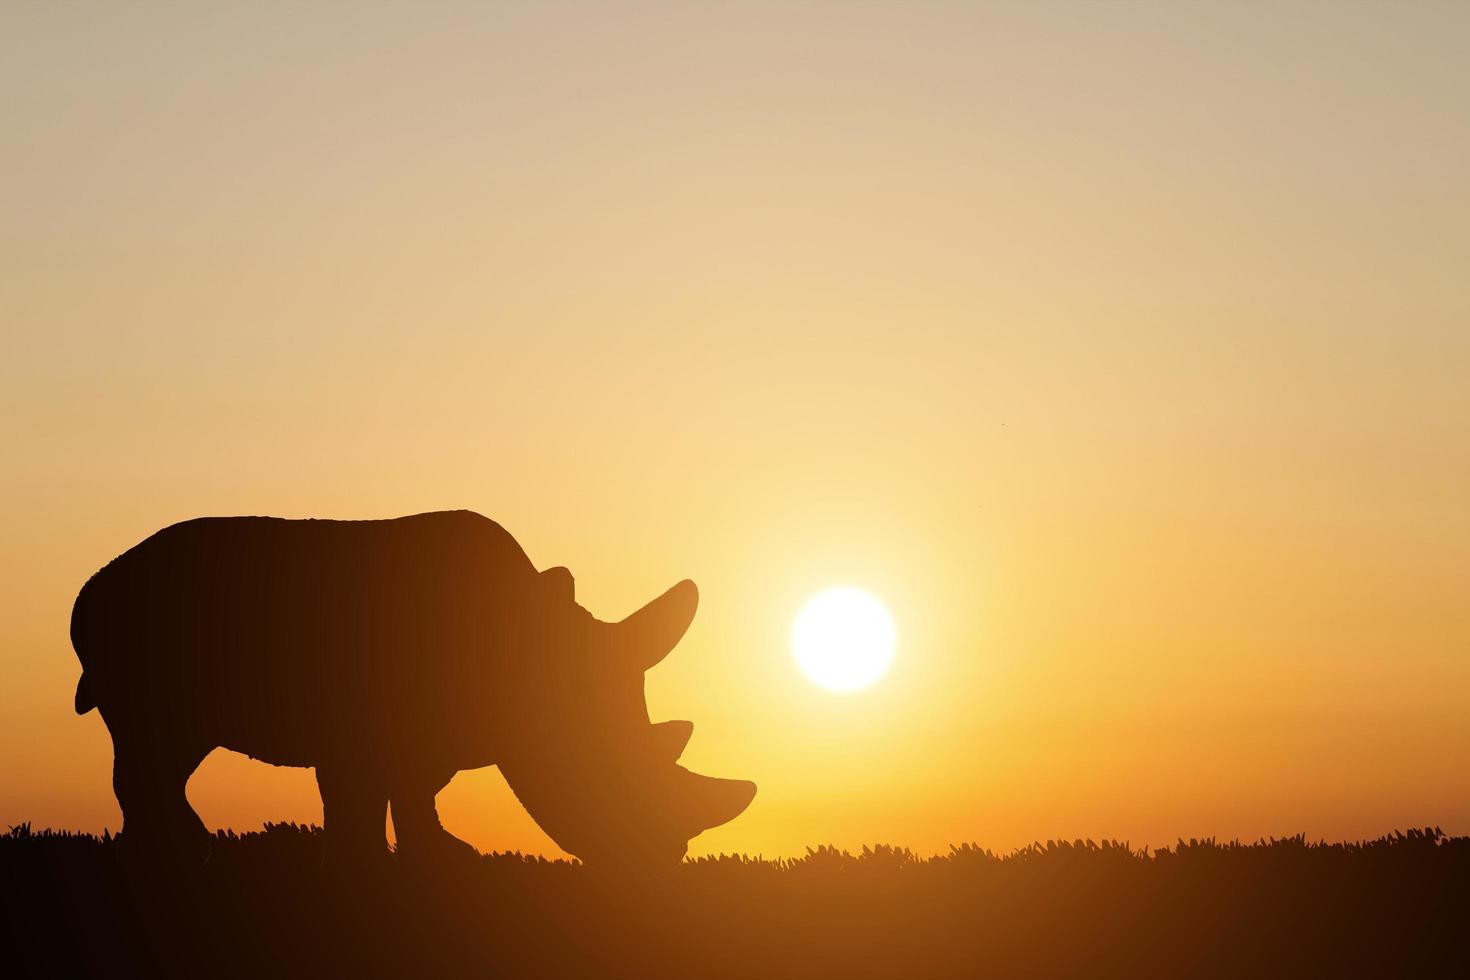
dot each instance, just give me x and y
(843, 639)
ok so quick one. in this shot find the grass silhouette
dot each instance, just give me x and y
(265, 905)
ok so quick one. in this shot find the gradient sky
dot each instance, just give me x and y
(1122, 349)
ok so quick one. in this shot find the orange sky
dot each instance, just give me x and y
(1122, 350)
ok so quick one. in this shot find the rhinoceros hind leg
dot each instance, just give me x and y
(149, 777)
(354, 809)
(421, 837)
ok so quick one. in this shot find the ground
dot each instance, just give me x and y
(264, 905)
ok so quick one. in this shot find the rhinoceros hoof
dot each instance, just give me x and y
(143, 852)
(439, 851)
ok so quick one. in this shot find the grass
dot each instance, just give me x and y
(264, 905)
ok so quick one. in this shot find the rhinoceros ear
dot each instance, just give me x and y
(647, 636)
(670, 738)
(559, 584)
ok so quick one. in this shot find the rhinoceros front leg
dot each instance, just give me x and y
(149, 773)
(421, 837)
(354, 808)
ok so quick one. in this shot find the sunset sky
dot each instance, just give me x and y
(1122, 350)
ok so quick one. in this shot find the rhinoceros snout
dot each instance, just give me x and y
(629, 819)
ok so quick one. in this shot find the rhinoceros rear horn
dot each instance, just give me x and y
(703, 802)
(647, 636)
(670, 738)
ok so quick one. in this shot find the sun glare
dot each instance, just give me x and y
(843, 639)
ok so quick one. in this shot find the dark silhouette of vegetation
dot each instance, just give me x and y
(266, 904)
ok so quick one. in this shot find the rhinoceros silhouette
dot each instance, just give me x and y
(388, 655)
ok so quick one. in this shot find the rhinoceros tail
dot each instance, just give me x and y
(84, 701)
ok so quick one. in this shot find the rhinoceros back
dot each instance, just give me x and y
(275, 636)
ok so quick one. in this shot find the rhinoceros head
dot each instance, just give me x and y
(599, 778)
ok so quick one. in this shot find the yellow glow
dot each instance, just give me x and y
(1120, 349)
(843, 639)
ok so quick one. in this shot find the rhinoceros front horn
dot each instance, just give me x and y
(647, 636)
(703, 802)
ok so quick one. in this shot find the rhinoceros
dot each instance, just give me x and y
(388, 655)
